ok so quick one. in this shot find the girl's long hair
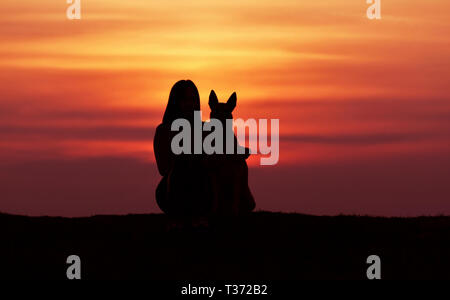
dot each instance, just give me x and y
(177, 94)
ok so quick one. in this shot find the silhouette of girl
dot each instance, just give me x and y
(184, 190)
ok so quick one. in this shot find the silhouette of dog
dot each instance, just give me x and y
(229, 172)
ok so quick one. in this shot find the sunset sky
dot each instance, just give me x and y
(364, 105)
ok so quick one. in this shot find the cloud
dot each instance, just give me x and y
(98, 133)
(365, 139)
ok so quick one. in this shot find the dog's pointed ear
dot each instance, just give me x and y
(232, 101)
(213, 99)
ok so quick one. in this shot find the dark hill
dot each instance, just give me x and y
(261, 246)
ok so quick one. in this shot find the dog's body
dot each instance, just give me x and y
(229, 172)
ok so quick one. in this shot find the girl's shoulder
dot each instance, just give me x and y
(162, 127)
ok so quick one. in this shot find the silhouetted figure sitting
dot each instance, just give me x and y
(229, 172)
(184, 190)
(196, 186)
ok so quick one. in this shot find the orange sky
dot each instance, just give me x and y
(263, 49)
(344, 87)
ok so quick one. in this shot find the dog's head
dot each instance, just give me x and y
(221, 111)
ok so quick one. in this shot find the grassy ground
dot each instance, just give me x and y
(261, 246)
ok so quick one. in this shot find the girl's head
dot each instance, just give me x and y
(184, 99)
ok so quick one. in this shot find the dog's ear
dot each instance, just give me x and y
(232, 101)
(213, 101)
